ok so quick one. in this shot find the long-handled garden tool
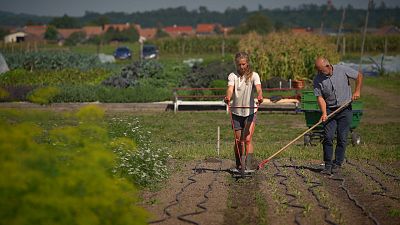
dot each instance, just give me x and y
(261, 165)
(242, 155)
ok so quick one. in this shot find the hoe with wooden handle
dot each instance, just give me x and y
(261, 165)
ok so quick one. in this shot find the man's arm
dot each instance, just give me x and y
(322, 106)
(260, 97)
(357, 91)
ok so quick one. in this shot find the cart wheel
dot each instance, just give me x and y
(355, 138)
(307, 139)
(243, 165)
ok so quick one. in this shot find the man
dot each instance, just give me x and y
(332, 89)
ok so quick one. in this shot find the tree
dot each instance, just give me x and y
(3, 32)
(76, 38)
(51, 33)
(257, 22)
(161, 34)
(65, 22)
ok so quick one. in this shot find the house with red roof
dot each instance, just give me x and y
(300, 30)
(118, 26)
(91, 31)
(66, 32)
(179, 31)
(205, 29)
(148, 33)
(388, 30)
(35, 32)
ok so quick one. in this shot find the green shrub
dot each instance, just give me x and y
(141, 162)
(50, 77)
(3, 93)
(43, 95)
(66, 181)
(88, 93)
(51, 60)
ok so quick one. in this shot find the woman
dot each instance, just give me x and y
(243, 108)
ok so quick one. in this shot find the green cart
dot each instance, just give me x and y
(312, 114)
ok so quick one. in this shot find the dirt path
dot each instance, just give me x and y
(285, 192)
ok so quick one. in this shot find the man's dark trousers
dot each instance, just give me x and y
(339, 124)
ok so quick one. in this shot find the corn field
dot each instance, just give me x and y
(197, 45)
(288, 56)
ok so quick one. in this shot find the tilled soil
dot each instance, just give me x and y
(286, 191)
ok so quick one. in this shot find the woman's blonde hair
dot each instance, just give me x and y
(243, 55)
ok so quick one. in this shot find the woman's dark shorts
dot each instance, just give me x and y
(239, 122)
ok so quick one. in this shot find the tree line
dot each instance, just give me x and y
(306, 15)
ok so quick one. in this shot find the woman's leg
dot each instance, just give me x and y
(238, 147)
(248, 136)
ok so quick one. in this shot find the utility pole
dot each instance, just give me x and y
(328, 6)
(340, 28)
(364, 34)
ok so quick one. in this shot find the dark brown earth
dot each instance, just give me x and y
(285, 192)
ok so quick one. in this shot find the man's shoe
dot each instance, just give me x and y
(336, 168)
(327, 170)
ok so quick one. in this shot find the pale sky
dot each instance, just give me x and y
(78, 7)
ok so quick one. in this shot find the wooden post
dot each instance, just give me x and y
(364, 34)
(386, 46)
(344, 46)
(218, 140)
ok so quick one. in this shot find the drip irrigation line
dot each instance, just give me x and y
(292, 196)
(396, 178)
(200, 205)
(314, 184)
(354, 200)
(191, 178)
(384, 189)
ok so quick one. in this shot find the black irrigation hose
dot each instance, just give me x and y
(200, 204)
(294, 198)
(356, 202)
(383, 188)
(315, 184)
(183, 189)
(396, 178)
(352, 198)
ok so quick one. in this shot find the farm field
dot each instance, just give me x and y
(289, 190)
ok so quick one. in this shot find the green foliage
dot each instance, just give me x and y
(373, 43)
(66, 181)
(65, 22)
(201, 76)
(3, 32)
(88, 93)
(51, 60)
(3, 93)
(128, 35)
(161, 34)
(50, 77)
(256, 22)
(43, 95)
(196, 45)
(219, 84)
(132, 74)
(76, 38)
(51, 33)
(287, 55)
(142, 162)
